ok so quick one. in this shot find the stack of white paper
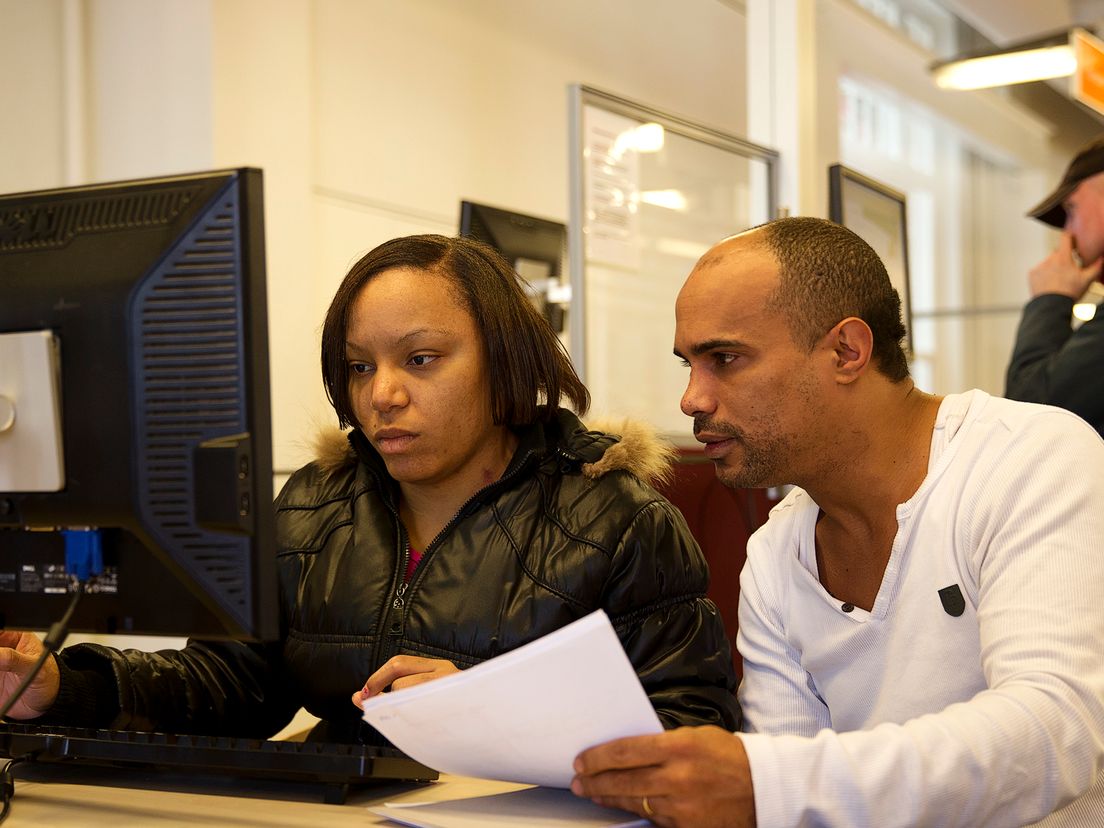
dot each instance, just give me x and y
(525, 715)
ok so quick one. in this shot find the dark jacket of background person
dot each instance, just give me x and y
(569, 528)
(1053, 364)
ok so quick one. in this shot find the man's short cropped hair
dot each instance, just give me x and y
(826, 274)
(526, 361)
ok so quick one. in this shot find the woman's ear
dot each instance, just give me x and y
(852, 343)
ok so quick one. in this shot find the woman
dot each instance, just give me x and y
(459, 519)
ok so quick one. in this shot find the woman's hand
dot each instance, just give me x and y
(18, 653)
(401, 672)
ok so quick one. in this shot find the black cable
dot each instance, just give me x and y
(55, 637)
(7, 786)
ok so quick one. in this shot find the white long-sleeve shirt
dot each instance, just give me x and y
(934, 709)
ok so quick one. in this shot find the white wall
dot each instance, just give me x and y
(32, 100)
(103, 90)
(147, 85)
(371, 118)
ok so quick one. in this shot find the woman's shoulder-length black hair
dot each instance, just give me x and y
(529, 369)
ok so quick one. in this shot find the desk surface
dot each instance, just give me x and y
(90, 797)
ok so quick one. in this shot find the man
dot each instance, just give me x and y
(1052, 363)
(920, 622)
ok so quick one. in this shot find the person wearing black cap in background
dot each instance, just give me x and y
(1052, 363)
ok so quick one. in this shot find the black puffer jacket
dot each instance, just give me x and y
(1056, 365)
(569, 528)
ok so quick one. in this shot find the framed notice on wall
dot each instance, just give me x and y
(651, 192)
(876, 212)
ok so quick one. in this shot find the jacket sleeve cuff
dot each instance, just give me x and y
(86, 698)
(1050, 304)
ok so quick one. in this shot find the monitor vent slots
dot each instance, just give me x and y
(188, 351)
(48, 225)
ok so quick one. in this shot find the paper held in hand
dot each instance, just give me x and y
(525, 715)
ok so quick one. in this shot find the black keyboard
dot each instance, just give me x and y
(334, 766)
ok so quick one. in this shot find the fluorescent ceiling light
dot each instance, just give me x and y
(1043, 59)
(1002, 70)
(1084, 311)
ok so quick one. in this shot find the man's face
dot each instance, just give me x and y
(753, 392)
(1085, 218)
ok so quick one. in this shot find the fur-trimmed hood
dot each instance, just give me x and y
(639, 450)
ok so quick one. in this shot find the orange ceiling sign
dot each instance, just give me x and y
(1087, 83)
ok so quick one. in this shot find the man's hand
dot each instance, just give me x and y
(1061, 273)
(401, 672)
(18, 653)
(695, 776)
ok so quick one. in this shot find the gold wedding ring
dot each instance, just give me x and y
(647, 808)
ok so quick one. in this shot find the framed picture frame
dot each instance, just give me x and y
(650, 193)
(877, 213)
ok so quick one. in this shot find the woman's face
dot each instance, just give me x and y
(418, 382)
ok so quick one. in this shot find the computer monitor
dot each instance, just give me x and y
(134, 400)
(534, 246)
(876, 212)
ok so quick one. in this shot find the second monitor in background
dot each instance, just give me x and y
(876, 212)
(536, 248)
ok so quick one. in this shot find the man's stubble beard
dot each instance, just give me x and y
(758, 466)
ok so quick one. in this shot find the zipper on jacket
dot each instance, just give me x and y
(568, 459)
(398, 602)
(456, 517)
(387, 644)
(399, 605)
(397, 627)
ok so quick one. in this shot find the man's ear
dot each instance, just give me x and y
(852, 343)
